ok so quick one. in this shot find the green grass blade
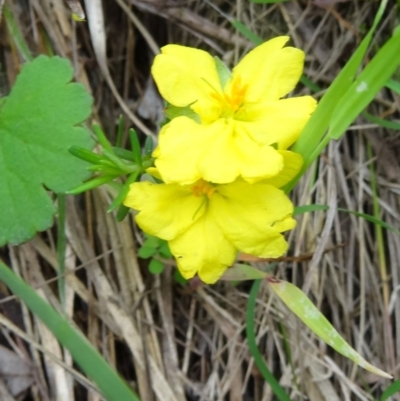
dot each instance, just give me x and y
(308, 143)
(366, 86)
(84, 354)
(255, 352)
(371, 219)
(381, 122)
(246, 32)
(16, 35)
(393, 85)
(391, 390)
(298, 302)
(309, 208)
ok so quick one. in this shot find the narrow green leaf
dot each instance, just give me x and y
(242, 272)
(94, 183)
(309, 143)
(366, 86)
(105, 169)
(224, 73)
(17, 35)
(381, 122)
(246, 32)
(38, 124)
(253, 348)
(306, 311)
(393, 85)
(371, 219)
(391, 390)
(148, 146)
(84, 154)
(136, 148)
(122, 213)
(123, 192)
(123, 153)
(309, 208)
(83, 353)
(101, 137)
(125, 168)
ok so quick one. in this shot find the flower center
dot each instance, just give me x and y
(203, 188)
(231, 101)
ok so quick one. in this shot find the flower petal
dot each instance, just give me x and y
(203, 249)
(270, 70)
(186, 76)
(181, 142)
(292, 164)
(278, 122)
(164, 210)
(189, 151)
(253, 216)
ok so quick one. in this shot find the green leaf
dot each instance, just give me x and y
(146, 252)
(242, 272)
(136, 148)
(84, 354)
(122, 212)
(366, 86)
(156, 267)
(371, 219)
(17, 35)
(393, 85)
(37, 126)
(148, 146)
(391, 390)
(165, 252)
(223, 71)
(310, 143)
(306, 311)
(253, 347)
(151, 241)
(175, 111)
(246, 32)
(309, 208)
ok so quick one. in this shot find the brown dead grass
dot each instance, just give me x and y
(176, 343)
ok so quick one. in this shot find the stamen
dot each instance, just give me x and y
(203, 188)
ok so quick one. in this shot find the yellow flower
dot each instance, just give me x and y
(207, 224)
(243, 124)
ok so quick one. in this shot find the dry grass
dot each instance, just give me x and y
(173, 342)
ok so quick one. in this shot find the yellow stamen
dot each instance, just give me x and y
(233, 101)
(203, 188)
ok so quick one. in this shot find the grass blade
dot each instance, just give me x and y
(255, 352)
(84, 354)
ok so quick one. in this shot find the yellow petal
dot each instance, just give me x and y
(252, 217)
(186, 76)
(178, 151)
(164, 210)
(189, 151)
(278, 122)
(231, 154)
(270, 70)
(292, 163)
(203, 249)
